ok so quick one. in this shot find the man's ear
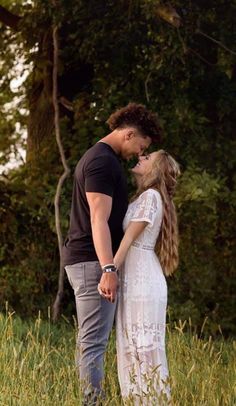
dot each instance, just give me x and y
(129, 134)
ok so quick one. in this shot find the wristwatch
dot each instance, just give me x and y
(109, 268)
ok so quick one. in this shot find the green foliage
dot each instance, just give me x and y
(26, 276)
(113, 52)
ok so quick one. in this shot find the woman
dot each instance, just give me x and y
(150, 225)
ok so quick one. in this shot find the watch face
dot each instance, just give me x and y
(110, 269)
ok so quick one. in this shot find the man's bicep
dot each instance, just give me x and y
(99, 177)
(100, 205)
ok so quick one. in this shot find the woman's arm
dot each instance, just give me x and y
(133, 230)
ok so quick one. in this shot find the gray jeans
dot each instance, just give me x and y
(95, 319)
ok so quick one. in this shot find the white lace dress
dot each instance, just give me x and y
(141, 310)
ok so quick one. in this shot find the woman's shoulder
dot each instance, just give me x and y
(150, 197)
(150, 193)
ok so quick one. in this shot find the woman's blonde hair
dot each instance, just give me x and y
(163, 177)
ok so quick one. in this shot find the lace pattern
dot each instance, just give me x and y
(141, 310)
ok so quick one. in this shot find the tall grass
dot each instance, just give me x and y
(37, 366)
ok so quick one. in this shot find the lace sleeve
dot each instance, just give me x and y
(148, 205)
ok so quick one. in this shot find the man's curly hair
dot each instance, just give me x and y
(136, 115)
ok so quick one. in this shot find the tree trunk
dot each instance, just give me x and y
(41, 111)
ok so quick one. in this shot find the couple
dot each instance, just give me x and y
(102, 261)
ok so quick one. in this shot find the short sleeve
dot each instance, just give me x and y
(148, 205)
(99, 176)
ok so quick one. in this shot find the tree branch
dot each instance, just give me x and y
(201, 57)
(146, 87)
(186, 50)
(57, 303)
(215, 41)
(66, 103)
(9, 19)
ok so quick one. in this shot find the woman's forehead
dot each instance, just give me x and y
(154, 154)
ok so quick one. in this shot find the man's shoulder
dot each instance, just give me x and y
(100, 155)
(99, 150)
(100, 158)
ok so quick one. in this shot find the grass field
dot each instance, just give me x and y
(37, 366)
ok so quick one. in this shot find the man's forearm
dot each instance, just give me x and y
(102, 241)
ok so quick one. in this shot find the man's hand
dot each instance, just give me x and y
(108, 285)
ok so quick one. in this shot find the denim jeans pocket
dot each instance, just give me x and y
(92, 274)
(76, 276)
(98, 272)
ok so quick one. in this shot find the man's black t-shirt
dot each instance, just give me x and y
(99, 170)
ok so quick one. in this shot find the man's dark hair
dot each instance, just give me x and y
(136, 115)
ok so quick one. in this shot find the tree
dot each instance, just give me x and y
(111, 52)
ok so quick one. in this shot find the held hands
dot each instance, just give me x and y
(108, 286)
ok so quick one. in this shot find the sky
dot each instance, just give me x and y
(21, 73)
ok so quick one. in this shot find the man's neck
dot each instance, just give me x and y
(113, 140)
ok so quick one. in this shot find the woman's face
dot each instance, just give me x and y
(144, 164)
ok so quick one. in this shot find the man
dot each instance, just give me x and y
(99, 203)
